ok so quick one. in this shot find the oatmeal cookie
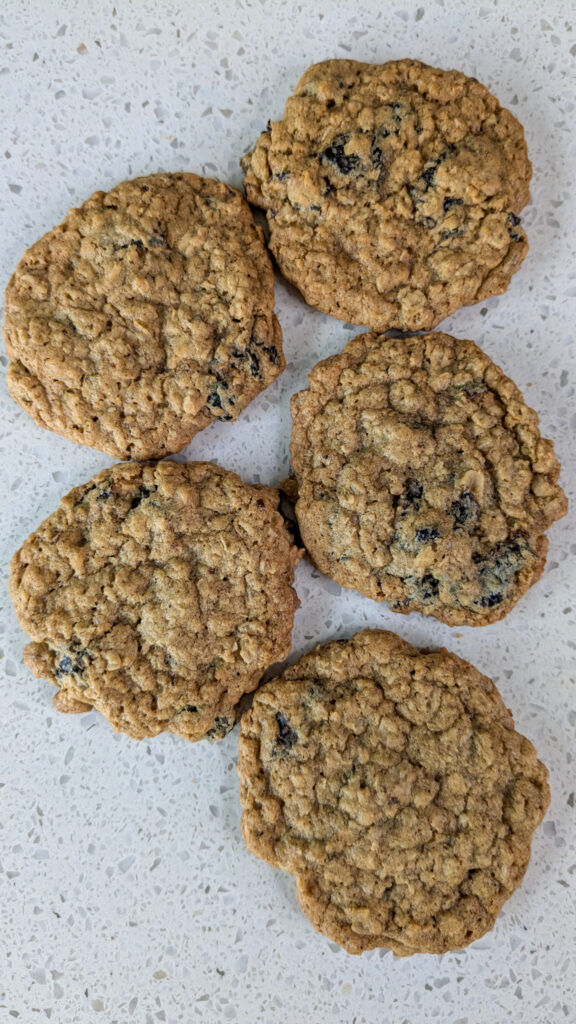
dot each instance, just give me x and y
(392, 192)
(422, 478)
(158, 594)
(146, 315)
(392, 783)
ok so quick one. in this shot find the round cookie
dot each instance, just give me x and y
(392, 192)
(392, 783)
(422, 478)
(146, 315)
(158, 594)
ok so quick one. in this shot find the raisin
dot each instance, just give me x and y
(513, 222)
(154, 241)
(428, 176)
(316, 208)
(143, 492)
(463, 508)
(449, 202)
(376, 156)
(214, 400)
(254, 364)
(104, 495)
(328, 187)
(286, 736)
(336, 156)
(73, 665)
(491, 600)
(427, 534)
(412, 493)
(429, 586)
(220, 728)
(133, 241)
(190, 707)
(498, 569)
(272, 352)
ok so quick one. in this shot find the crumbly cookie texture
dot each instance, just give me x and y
(422, 478)
(158, 594)
(392, 192)
(146, 315)
(392, 783)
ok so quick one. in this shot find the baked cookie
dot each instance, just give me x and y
(422, 478)
(392, 783)
(392, 192)
(143, 317)
(158, 594)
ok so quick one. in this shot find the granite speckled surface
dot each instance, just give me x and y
(125, 891)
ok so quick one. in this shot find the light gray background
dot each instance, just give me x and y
(125, 891)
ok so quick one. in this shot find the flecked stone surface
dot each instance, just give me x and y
(126, 891)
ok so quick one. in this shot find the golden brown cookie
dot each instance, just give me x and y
(146, 315)
(422, 478)
(392, 192)
(392, 783)
(158, 594)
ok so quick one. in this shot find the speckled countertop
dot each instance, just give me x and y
(125, 891)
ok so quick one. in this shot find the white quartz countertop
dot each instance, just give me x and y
(126, 894)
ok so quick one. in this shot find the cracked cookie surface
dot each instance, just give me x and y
(392, 783)
(158, 594)
(422, 478)
(392, 192)
(146, 315)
